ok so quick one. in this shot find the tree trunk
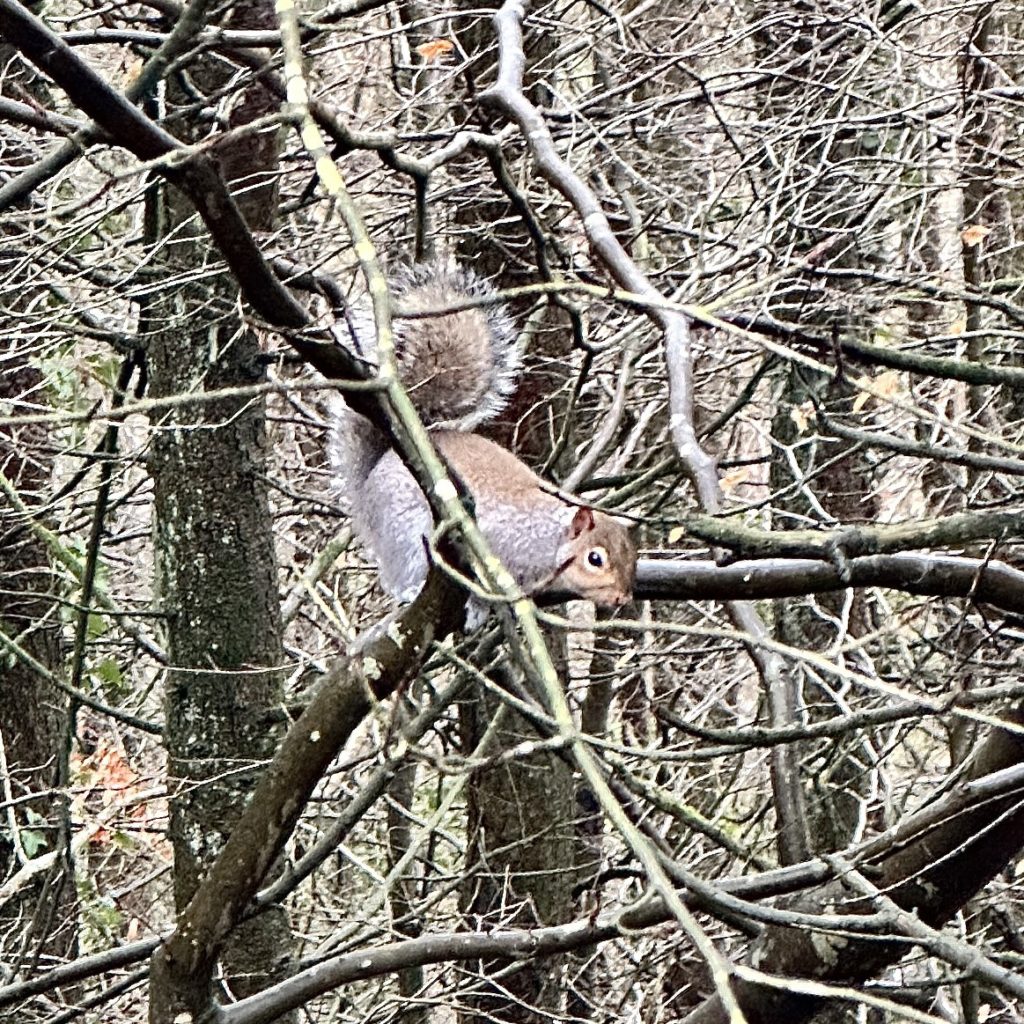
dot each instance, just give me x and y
(217, 570)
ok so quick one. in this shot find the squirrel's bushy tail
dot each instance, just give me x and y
(459, 367)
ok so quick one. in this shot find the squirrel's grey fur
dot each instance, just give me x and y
(460, 368)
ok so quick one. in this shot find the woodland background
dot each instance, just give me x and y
(767, 267)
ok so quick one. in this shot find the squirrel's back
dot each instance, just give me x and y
(545, 542)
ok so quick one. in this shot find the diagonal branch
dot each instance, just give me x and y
(344, 697)
(188, 168)
(930, 864)
(507, 95)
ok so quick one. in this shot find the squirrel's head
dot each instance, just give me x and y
(601, 560)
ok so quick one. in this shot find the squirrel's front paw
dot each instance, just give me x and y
(408, 594)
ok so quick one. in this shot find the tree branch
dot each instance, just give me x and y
(342, 700)
(854, 541)
(933, 862)
(189, 169)
(988, 581)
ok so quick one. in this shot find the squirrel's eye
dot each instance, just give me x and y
(596, 557)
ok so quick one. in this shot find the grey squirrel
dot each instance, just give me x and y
(460, 368)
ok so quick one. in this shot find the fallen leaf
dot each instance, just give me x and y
(433, 49)
(802, 415)
(132, 70)
(886, 384)
(973, 235)
(730, 481)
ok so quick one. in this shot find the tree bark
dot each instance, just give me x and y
(217, 567)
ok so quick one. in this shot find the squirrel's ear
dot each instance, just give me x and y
(582, 521)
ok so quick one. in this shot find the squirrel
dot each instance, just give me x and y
(460, 368)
